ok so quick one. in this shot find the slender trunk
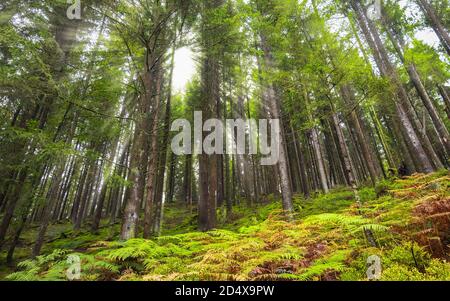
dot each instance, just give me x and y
(158, 217)
(187, 181)
(11, 205)
(275, 112)
(420, 88)
(77, 200)
(435, 23)
(52, 198)
(66, 190)
(363, 142)
(106, 182)
(319, 160)
(203, 203)
(131, 210)
(153, 162)
(301, 164)
(446, 98)
(86, 195)
(413, 141)
(344, 152)
(170, 178)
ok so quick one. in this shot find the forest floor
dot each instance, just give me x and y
(409, 219)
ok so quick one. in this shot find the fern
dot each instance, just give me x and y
(319, 269)
(31, 274)
(44, 267)
(353, 224)
(335, 262)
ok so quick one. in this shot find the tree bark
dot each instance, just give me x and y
(363, 142)
(52, 198)
(275, 112)
(446, 98)
(420, 88)
(154, 155)
(413, 141)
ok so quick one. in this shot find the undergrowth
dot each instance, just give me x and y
(409, 219)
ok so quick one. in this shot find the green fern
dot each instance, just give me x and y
(40, 268)
(334, 262)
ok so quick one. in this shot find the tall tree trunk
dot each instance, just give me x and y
(210, 94)
(79, 192)
(348, 96)
(187, 181)
(420, 87)
(86, 196)
(203, 202)
(275, 111)
(11, 206)
(52, 198)
(319, 159)
(413, 141)
(158, 216)
(106, 182)
(346, 160)
(132, 205)
(170, 186)
(446, 97)
(301, 164)
(435, 23)
(153, 162)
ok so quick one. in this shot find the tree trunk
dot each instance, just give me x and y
(435, 23)
(52, 198)
(346, 160)
(412, 139)
(275, 112)
(446, 97)
(132, 205)
(154, 155)
(301, 166)
(363, 142)
(420, 88)
(11, 206)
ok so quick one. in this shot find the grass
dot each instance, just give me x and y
(409, 218)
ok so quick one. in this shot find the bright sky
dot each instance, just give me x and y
(426, 35)
(184, 69)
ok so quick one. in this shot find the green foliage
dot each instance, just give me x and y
(409, 262)
(428, 62)
(382, 187)
(84, 102)
(31, 270)
(354, 224)
(53, 267)
(327, 242)
(367, 194)
(336, 201)
(334, 263)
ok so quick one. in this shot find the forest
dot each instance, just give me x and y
(350, 99)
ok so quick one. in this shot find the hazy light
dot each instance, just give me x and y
(428, 36)
(184, 69)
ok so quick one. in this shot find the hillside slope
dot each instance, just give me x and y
(408, 218)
